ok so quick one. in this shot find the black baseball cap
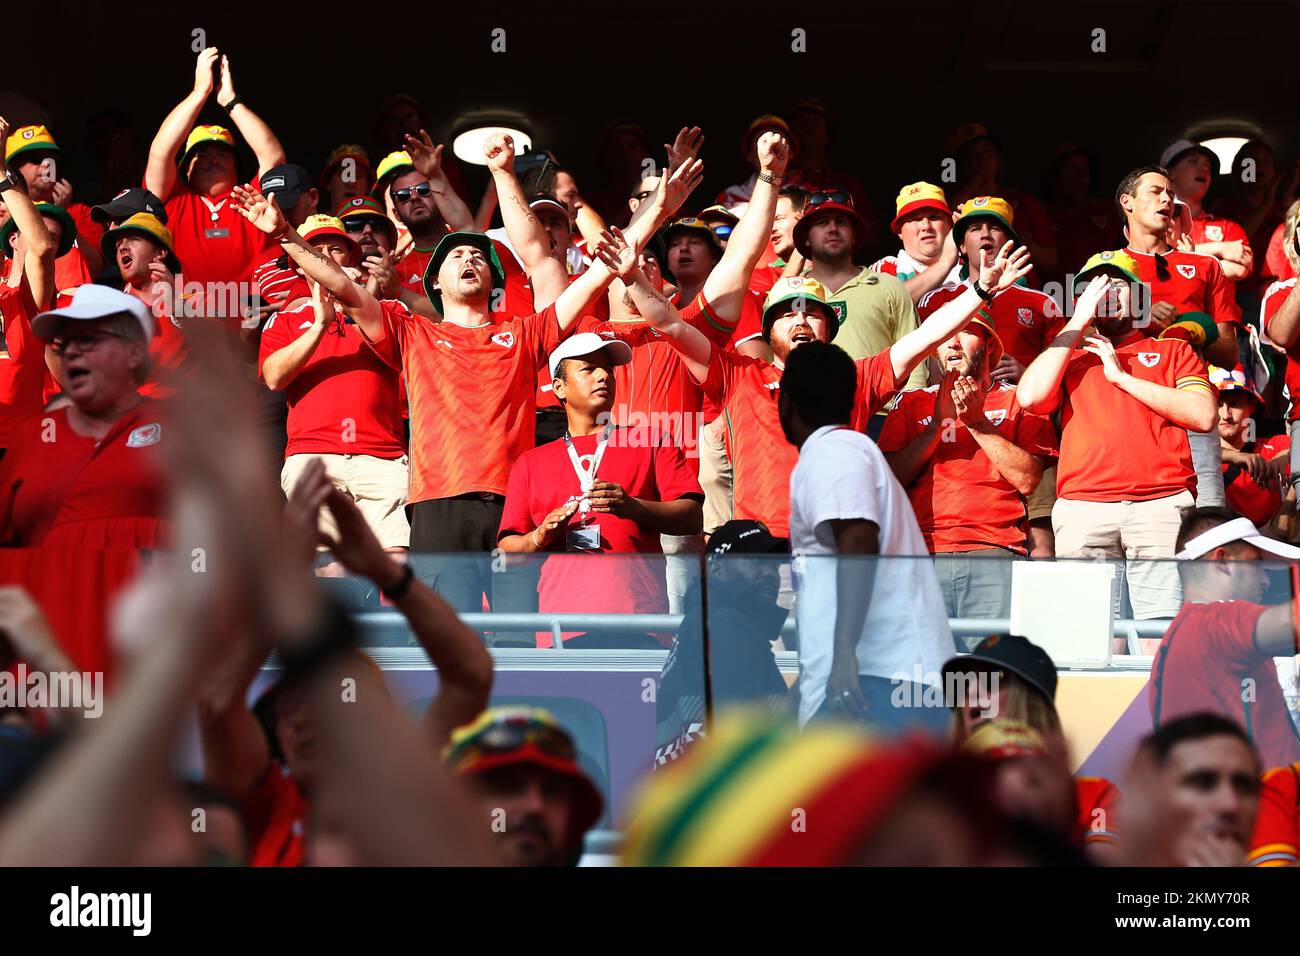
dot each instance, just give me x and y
(743, 537)
(126, 204)
(1016, 654)
(288, 182)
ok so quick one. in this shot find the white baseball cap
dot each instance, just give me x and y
(91, 302)
(1238, 529)
(589, 343)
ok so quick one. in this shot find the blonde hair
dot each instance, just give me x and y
(1024, 703)
(1288, 236)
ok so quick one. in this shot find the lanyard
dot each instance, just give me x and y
(587, 476)
(214, 208)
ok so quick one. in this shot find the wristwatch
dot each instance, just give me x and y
(980, 291)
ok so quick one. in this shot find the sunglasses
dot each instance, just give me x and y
(830, 195)
(359, 223)
(722, 232)
(511, 734)
(419, 189)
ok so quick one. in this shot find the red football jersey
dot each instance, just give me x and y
(1026, 320)
(1273, 298)
(761, 458)
(471, 395)
(1101, 425)
(1097, 800)
(961, 500)
(213, 242)
(22, 365)
(1211, 228)
(1277, 827)
(543, 479)
(1248, 497)
(1189, 281)
(276, 813)
(1203, 664)
(58, 488)
(345, 400)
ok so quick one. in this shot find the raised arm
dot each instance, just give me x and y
(427, 160)
(39, 247)
(547, 275)
(728, 283)
(694, 348)
(996, 274)
(359, 304)
(266, 147)
(160, 170)
(1039, 388)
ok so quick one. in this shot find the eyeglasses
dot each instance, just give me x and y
(830, 195)
(510, 734)
(404, 195)
(85, 342)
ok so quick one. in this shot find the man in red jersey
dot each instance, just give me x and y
(470, 379)
(1276, 836)
(1279, 321)
(345, 403)
(32, 153)
(1217, 654)
(1128, 400)
(216, 244)
(968, 455)
(1191, 170)
(29, 287)
(796, 312)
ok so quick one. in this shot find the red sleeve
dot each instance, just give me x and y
(725, 370)
(516, 516)
(897, 432)
(1035, 433)
(1186, 368)
(1273, 842)
(876, 382)
(1101, 795)
(886, 266)
(1232, 231)
(87, 229)
(276, 334)
(933, 299)
(389, 347)
(750, 325)
(1222, 304)
(673, 477)
(544, 329)
(700, 314)
(1055, 321)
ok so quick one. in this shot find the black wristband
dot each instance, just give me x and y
(398, 590)
(980, 291)
(231, 105)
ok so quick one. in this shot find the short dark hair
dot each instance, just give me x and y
(797, 195)
(821, 382)
(1161, 742)
(1128, 185)
(1197, 521)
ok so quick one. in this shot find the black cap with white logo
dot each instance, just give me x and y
(126, 204)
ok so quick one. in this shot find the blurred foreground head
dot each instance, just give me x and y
(523, 767)
(756, 792)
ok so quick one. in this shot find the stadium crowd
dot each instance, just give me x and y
(610, 389)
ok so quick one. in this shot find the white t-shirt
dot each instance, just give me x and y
(841, 474)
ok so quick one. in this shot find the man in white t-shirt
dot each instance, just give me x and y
(872, 628)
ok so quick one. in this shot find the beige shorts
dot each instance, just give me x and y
(1039, 503)
(715, 476)
(377, 485)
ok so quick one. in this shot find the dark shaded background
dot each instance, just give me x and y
(898, 77)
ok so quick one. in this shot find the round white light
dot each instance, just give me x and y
(468, 145)
(1224, 147)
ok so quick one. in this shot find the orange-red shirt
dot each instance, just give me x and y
(1273, 298)
(962, 502)
(1097, 800)
(58, 488)
(1192, 282)
(761, 457)
(1114, 448)
(471, 395)
(22, 365)
(1026, 320)
(1277, 827)
(1209, 227)
(1246, 496)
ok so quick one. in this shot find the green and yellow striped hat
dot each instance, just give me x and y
(758, 792)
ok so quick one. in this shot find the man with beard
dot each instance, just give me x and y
(1125, 471)
(873, 311)
(968, 456)
(216, 244)
(374, 232)
(796, 312)
(1217, 655)
(923, 221)
(1191, 795)
(523, 768)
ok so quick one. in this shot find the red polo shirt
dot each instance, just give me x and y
(543, 479)
(345, 400)
(213, 241)
(1203, 664)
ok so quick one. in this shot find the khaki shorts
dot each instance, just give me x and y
(715, 476)
(377, 485)
(1039, 503)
